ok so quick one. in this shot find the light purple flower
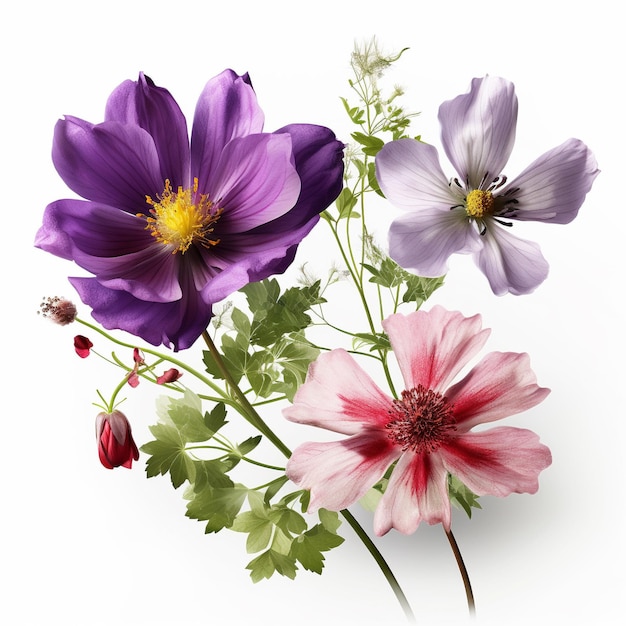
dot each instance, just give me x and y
(473, 213)
(168, 229)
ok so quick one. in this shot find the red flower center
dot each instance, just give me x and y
(421, 420)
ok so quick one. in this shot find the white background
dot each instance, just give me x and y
(84, 545)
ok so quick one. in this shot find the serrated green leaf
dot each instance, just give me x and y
(375, 341)
(329, 519)
(368, 141)
(212, 473)
(419, 288)
(288, 520)
(168, 457)
(266, 564)
(307, 548)
(258, 527)
(274, 487)
(186, 416)
(216, 419)
(461, 496)
(248, 445)
(218, 506)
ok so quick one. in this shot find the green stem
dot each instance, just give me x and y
(466, 581)
(249, 412)
(378, 557)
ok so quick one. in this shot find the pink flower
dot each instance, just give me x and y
(115, 441)
(426, 430)
(82, 345)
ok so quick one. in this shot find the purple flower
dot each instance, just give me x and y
(474, 212)
(168, 229)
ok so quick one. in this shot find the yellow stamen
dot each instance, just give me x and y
(478, 202)
(180, 218)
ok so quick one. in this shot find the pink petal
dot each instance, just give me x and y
(433, 346)
(339, 473)
(417, 491)
(498, 461)
(478, 129)
(511, 264)
(340, 396)
(502, 384)
(553, 187)
(170, 376)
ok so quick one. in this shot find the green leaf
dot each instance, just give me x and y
(248, 445)
(329, 519)
(461, 496)
(258, 526)
(274, 487)
(167, 454)
(345, 204)
(269, 562)
(372, 180)
(375, 341)
(288, 520)
(307, 548)
(187, 417)
(419, 288)
(371, 144)
(216, 418)
(212, 473)
(218, 506)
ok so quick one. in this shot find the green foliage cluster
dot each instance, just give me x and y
(188, 446)
(269, 349)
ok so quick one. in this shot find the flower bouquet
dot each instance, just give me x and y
(182, 241)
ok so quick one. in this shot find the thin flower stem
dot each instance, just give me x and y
(391, 579)
(248, 411)
(466, 581)
(250, 414)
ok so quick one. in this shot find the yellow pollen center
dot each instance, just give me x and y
(180, 218)
(478, 202)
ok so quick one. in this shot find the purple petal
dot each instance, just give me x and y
(411, 178)
(154, 109)
(478, 130)
(553, 187)
(227, 108)
(112, 245)
(110, 163)
(176, 324)
(511, 264)
(424, 240)
(318, 158)
(254, 181)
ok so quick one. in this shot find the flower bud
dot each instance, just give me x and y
(115, 441)
(170, 376)
(82, 345)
